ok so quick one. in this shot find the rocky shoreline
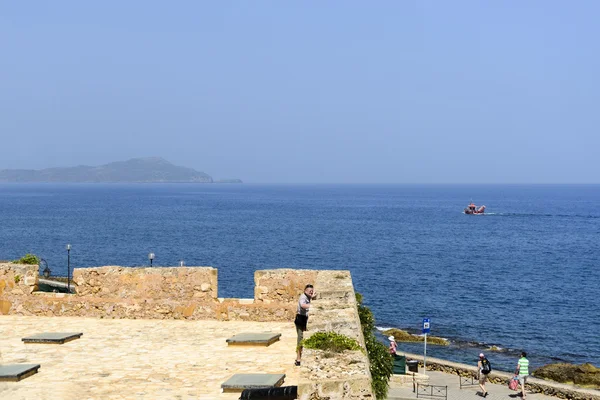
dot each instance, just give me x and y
(584, 375)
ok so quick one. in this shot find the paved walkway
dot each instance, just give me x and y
(139, 359)
(496, 392)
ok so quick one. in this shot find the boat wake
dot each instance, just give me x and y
(524, 215)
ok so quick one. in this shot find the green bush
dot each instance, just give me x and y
(330, 341)
(381, 361)
(382, 365)
(29, 259)
(367, 320)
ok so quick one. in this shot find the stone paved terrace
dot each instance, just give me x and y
(139, 359)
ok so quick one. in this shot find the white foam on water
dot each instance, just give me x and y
(384, 328)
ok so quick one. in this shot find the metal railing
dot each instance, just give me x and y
(432, 391)
(466, 381)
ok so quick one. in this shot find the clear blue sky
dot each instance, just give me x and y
(323, 92)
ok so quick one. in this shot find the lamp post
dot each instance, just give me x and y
(151, 257)
(68, 268)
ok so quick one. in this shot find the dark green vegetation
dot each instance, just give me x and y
(403, 336)
(149, 169)
(29, 259)
(585, 375)
(331, 341)
(380, 359)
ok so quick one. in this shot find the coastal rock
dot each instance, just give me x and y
(586, 375)
(404, 336)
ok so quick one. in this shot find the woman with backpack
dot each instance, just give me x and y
(484, 367)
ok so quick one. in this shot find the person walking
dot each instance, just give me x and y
(484, 368)
(302, 318)
(522, 371)
(393, 346)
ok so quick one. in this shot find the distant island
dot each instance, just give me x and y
(136, 170)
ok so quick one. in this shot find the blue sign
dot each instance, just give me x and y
(426, 325)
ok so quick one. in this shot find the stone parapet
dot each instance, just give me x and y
(250, 310)
(281, 285)
(114, 282)
(154, 293)
(17, 281)
(327, 375)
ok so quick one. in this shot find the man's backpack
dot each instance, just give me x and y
(486, 367)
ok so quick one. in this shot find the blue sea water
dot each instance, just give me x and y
(525, 276)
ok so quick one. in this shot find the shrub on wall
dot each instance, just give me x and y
(29, 259)
(330, 341)
(379, 357)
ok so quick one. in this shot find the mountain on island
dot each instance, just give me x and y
(148, 169)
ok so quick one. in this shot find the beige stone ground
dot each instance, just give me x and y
(139, 359)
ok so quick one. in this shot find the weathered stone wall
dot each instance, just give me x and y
(281, 285)
(16, 282)
(339, 376)
(156, 293)
(556, 389)
(141, 283)
(277, 291)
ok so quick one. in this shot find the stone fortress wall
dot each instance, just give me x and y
(192, 293)
(152, 293)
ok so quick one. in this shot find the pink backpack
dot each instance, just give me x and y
(513, 383)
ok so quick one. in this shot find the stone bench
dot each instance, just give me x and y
(254, 339)
(239, 382)
(16, 372)
(53, 337)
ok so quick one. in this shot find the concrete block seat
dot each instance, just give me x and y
(16, 372)
(52, 337)
(254, 339)
(239, 382)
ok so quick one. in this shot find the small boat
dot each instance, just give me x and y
(473, 209)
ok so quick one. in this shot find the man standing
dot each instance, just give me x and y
(302, 318)
(522, 371)
(483, 365)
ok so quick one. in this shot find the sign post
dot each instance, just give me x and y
(426, 329)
